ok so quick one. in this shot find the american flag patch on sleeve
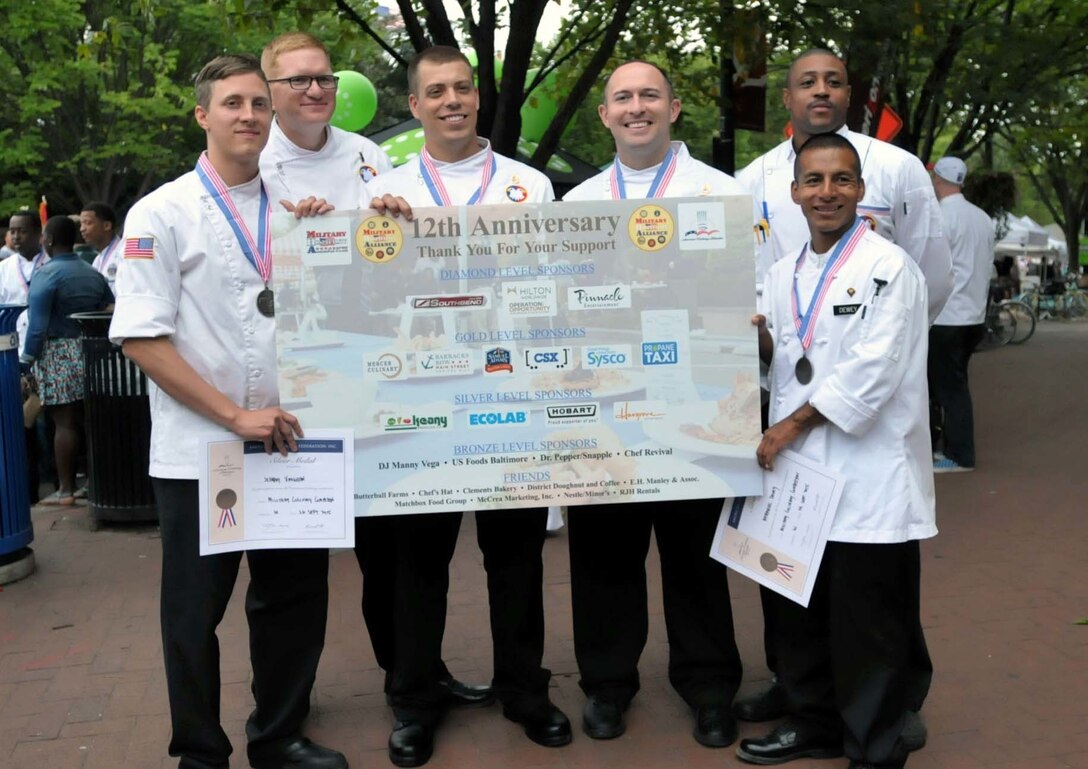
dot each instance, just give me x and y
(139, 248)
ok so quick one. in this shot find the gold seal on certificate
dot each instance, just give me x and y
(650, 227)
(379, 239)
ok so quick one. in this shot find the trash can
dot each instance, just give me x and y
(117, 420)
(16, 531)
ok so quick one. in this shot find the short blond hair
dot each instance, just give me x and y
(291, 41)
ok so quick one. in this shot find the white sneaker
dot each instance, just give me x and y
(942, 464)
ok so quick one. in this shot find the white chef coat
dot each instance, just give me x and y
(869, 380)
(512, 182)
(15, 274)
(338, 172)
(108, 260)
(201, 292)
(692, 178)
(971, 238)
(899, 203)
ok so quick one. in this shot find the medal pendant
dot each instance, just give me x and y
(803, 370)
(266, 304)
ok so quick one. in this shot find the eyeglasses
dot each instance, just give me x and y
(303, 82)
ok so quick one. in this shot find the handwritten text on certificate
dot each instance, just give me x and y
(778, 539)
(252, 500)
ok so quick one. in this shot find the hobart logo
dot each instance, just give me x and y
(548, 358)
(598, 297)
(498, 359)
(607, 356)
(498, 418)
(574, 414)
(659, 354)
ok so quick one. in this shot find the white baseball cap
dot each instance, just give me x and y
(951, 170)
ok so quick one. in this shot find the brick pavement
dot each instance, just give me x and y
(82, 687)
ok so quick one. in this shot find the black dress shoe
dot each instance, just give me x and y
(914, 732)
(299, 753)
(602, 719)
(459, 694)
(787, 742)
(715, 726)
(545, 725)
(766, 705)
(411, 743)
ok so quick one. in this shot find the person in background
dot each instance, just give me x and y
(98, 226)
(63, 286)
(961, 324)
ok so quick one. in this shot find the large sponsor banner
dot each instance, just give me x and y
(527, 355)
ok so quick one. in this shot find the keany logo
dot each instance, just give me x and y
(408, 422)
(607, 356)
(574, 414)
(639, 411)
(498, 360)
(548, 358)
(516, 418)
(598, 297)
(659, 353)
(467, 302)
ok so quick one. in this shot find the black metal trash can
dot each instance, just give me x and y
(16, 531)
(118, 425)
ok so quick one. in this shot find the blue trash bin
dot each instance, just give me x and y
(16, 531)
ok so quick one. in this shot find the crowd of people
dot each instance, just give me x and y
(861, 273)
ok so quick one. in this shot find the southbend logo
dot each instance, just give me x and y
(469, 301)
(410, 422)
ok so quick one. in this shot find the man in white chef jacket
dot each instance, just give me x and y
(898, 203)
(456, 167)
(844, 334)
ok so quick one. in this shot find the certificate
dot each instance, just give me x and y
(527, 355)
(251, 500)
(778, 539)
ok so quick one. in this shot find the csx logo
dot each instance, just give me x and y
(548, 358)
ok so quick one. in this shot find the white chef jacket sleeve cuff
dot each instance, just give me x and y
(841, 409)
(143, 316)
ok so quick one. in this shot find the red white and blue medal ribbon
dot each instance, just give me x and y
(259, 251)
(102, 261)
(805, 324)
(433, 179)
(33, 268)
(657, 187)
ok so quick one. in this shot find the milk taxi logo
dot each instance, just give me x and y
(659, 354)
(499, 418)
(574, 414)
(379, 239)
(702, 225)
(498, 359)
(407, 420)
(606, 356)
(383, 365)
(651, 227)
(612, 297)
(548, 358)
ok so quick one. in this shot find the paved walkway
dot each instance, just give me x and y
(82, 686)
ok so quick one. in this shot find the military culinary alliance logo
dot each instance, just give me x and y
(651, 227)
(379, 239)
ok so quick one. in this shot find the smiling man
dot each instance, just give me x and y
(194, 313)
(845, 338)
(898, 203)
(609, 543)
(456, 167)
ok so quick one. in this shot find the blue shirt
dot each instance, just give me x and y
(64, 285)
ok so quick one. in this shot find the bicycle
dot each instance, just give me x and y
(1025, 320)
(1068, 302)
(1000, 327)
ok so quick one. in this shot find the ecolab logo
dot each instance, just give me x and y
(516, 418)
(574, 414)
(548, 358)
(659, 354)
(607, 356)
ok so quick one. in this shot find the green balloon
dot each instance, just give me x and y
(356, 101)
(474, 60)
(404, 147)
(541, 105)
